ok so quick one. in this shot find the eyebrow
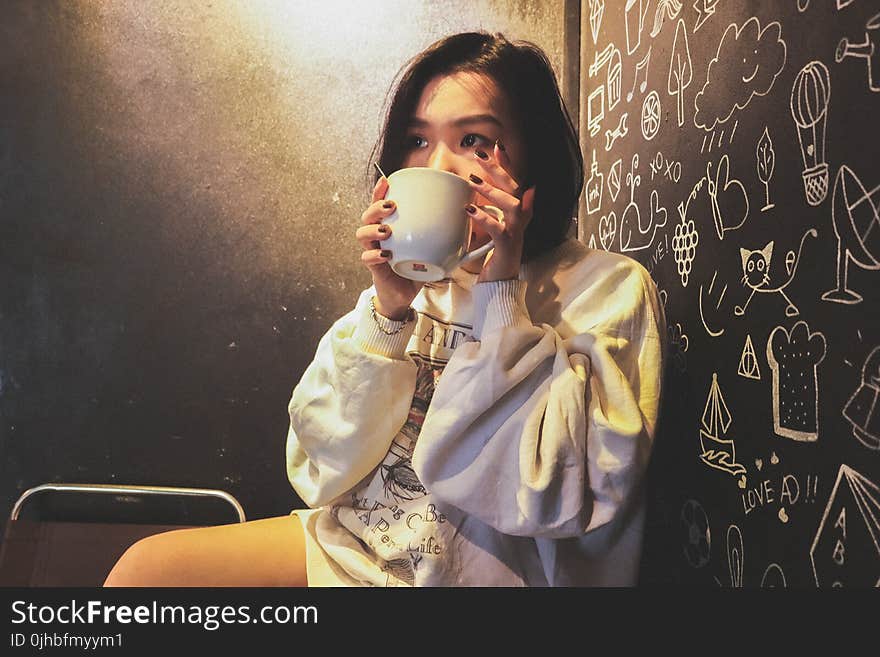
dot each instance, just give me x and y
(465, 120)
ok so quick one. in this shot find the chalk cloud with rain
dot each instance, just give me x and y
(746, 65)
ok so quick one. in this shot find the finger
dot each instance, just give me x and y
(485, 221)
(376, 258)
(528, 202)
(380, 188)
(496, 171)
(504, 200)
(370, 235)
(377, 211)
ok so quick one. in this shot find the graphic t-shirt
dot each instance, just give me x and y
(392, 513)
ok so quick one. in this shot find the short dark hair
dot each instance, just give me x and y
(523, 73)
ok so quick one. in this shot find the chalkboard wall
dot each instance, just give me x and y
(733, 150)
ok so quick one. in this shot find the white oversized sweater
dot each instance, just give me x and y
(500, 439)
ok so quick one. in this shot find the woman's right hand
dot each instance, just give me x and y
(394, 294)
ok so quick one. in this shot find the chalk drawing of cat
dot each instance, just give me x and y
(756, 273)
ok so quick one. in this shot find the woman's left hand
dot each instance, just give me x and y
(501, 190)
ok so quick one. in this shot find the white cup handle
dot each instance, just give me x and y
(483, 250)
(476, 253)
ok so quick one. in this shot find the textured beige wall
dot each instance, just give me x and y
(258, 115)
(180, 183)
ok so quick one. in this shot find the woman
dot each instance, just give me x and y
(492, 429)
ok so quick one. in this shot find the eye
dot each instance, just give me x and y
(471, 139)
(751, 266)
(760, 265)
(414, 141)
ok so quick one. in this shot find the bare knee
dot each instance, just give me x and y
(139, 565)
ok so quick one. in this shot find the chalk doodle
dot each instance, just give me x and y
(607, 230)
(793, 359)
(728, 198)
(651, 114)
(658, 252)
(635, 11)
(773, 577)
(597, 11)
(810, 95)
(681, 70)
(696, 534)
(614, 179)
(643, 64)
(855, 216)
(843, 3)
(705, 10)
(803, 5)
(632, 181)
(592, 243)
(748, 55)
(668, 168)
(718, 452)
(619, 132)
(735, 556)
(756, 273)
(786, 491)
(766, 163)
(595, 109)
(712, 332)
(657, 219)
(748, 362)
(685, 237)
(869, 50)
(595, 185)
(862, 410)
(666, 9)
(610, 58)
(846, 549)
(632, 215)
(713, 142)
(678, 343)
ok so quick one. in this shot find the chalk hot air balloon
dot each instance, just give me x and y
(810, 94)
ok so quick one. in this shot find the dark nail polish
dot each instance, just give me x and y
(388, 205)
(481, 154)
(470, 209)
(500, 145)
(385, 253)
(383, 229)
(476, 179)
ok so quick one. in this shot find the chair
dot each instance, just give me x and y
(62, 534)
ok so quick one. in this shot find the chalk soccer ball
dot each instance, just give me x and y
(695, 530)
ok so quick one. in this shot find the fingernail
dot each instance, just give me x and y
(470, 209)
(500, 145)
(383, 229)
(476, 179)
(388, 205)
(385, 253)
(481, 154)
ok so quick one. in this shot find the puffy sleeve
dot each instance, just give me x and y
(348, 406)
(542, 430)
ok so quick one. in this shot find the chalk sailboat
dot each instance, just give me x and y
(718, 452)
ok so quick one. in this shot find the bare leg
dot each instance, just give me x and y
(267, 552)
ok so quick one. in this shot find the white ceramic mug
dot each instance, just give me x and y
(430, 228)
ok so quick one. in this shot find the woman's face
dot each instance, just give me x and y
(455, 116)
